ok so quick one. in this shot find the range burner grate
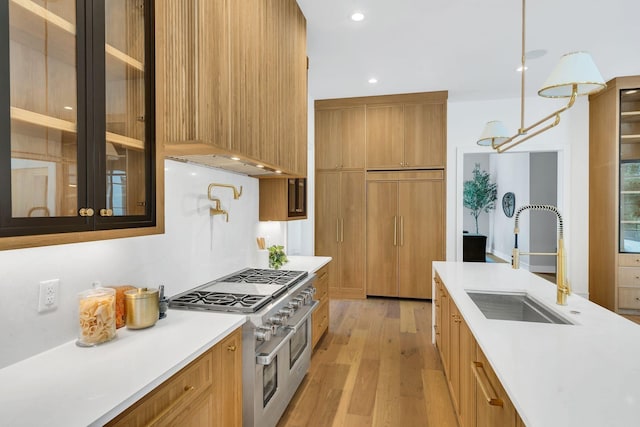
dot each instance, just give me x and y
(222, 301)
(265, 276)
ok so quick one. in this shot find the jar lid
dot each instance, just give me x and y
(141, 293)
(97, 292)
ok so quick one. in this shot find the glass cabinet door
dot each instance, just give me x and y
(126, 145)
(630, 170)
(44, 109)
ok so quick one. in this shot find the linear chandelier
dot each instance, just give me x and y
(576, 74)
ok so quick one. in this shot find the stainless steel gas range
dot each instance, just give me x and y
(276, 339)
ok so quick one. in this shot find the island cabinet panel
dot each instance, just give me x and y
(477, 395)
(340, 228)
(233, 82)
(207, 392)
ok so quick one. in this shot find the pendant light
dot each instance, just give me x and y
(575, 75)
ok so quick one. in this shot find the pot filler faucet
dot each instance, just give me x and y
(561, 263)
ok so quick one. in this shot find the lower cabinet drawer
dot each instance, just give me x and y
(322, 283)
(493, 406)
(629, 298)
(629, 260)
(629, 276)
(185, 389)
(320, 321)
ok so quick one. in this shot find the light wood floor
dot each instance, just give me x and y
(375, 366)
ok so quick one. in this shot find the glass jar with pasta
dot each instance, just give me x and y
(96, 316)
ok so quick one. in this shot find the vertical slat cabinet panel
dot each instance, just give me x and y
(247, 65)
(176, 70)
(300, 102)
(382, 238)
(213, 118)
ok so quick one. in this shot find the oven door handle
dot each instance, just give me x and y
(266, 359)
(304, 318)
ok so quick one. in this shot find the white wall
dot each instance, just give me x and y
(196, 248)
(570, 138)
(512, 175)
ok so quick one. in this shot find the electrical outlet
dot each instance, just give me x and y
(48, 296)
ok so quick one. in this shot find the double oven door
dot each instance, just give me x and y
(280, 367)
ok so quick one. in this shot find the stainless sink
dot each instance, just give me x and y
(518, 306)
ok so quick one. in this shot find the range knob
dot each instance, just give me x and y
(263, 334)
(286, 312)
(278, 319)
(295, 303)
(271, 327)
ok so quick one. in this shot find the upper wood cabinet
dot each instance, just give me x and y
(406, 135)
(283, 199)
(232, 82)
(79, 118)
(339, 137)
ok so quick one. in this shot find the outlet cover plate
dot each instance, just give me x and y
(48, 295)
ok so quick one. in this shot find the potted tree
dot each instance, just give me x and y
(479, 195)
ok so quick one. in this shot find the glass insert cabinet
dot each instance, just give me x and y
(77, 143)
(629, 171)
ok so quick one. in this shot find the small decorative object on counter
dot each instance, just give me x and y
(142, 308)
(163, 305)
(121, 314)
(277, 257)
(97, 316)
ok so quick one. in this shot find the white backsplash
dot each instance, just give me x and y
(195, 248)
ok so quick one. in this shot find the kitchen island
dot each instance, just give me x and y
(585, 374)
(73, 386)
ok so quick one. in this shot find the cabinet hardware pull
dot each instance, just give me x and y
(187, 392)
(395, 230)
(637, 298)
(342, 229)
(106, 212)
(86, 212)
(401, 231)
(493, 401)
(231, 348)
(337, 230)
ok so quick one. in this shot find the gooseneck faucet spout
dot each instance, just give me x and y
(561, 263)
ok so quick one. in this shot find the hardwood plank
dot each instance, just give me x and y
(376, 366)
(438, 403)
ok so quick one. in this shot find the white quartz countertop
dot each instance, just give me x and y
(587, 374)
(73, 386)
(306, 263)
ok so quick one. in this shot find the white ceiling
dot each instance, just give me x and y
(469, 47)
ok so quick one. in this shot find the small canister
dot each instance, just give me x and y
(142, 308)
(96, 316)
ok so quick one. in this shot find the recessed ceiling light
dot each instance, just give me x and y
(519, 69)
(278, 171)
(373, 80)
(235, 158)
(260, 166)
(66, 107)
(357, 16)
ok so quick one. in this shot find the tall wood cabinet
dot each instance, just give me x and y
(404, 231)
(232, 82)
(339, 218)
(614, 196)
(395, 223)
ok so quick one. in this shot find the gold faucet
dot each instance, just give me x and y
(561, 257)
(236, 193)
(217, 210)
